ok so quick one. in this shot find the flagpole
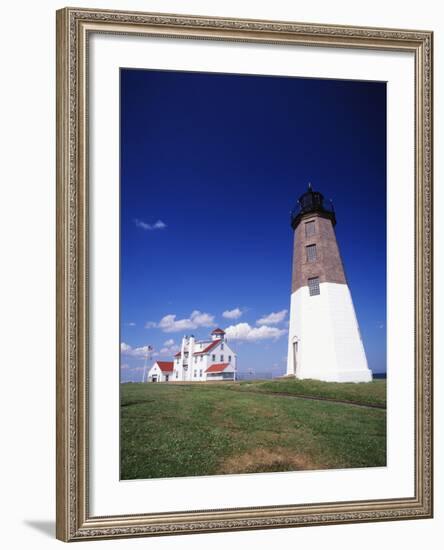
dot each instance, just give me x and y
(144, 366)
(148, 352)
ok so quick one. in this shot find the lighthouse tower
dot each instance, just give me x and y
(324, 341)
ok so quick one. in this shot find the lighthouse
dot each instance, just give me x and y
(324, 340)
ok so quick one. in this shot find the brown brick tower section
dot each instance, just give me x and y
(315, 249)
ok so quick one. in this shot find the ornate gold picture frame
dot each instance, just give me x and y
(74, 30)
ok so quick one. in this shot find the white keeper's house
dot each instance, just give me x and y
(198, 361)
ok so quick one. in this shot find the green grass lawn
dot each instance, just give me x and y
(170, 430)
(367, 393)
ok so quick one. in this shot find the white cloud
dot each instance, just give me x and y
(141, 352)
(169, 323)
(232, 313)
(169, 348)
(124, 347)
(202, 319)
(245, 332)
(150, 226)
(272, 318)
(167, 352)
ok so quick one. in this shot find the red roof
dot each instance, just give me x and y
(208, 348)
(218, 331)
(165, 366)
(217, 367)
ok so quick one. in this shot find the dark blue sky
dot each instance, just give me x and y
(219, 160)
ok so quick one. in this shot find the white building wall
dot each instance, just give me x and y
(205, 365)
(177, 369)
(161, 376)
(191, 364)
(327, 332)
(154, 371)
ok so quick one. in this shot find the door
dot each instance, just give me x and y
(154, 378)
(295, 357)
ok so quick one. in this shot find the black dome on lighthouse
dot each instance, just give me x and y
(312, 202)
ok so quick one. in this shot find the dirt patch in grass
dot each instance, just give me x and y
(229, 424)
(267, 460)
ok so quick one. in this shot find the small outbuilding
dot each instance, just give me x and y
(161, 371)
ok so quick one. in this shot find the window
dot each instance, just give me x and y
(221, 357)
(313, 286)
(177, 374)
(221, 346)
(201, 357)
(194, 373)
(311, 253)
(309, 228)
(200, 372)
(229, 358)
(213, 358)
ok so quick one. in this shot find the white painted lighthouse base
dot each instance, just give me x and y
(324, 342)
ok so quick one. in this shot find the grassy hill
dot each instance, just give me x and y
(170, 430)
